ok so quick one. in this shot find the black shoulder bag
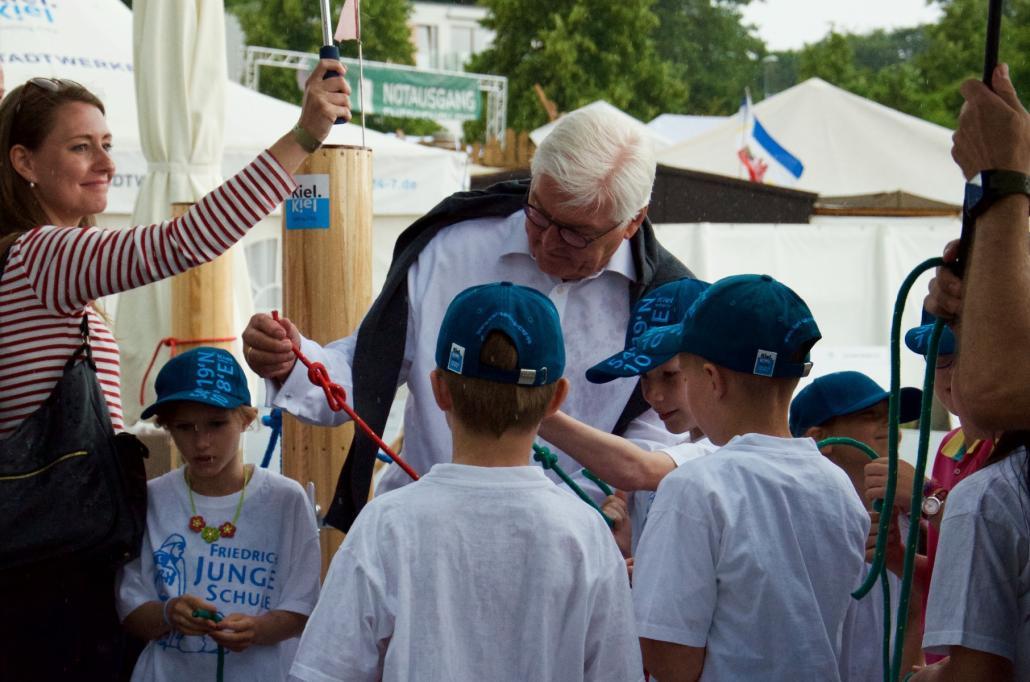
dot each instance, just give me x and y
(70, 487)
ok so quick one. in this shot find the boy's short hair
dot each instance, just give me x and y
(206, 375)
(750, 324)
(665, 305)
(501, 352)
(843, 393)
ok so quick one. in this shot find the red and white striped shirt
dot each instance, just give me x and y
(54, 273)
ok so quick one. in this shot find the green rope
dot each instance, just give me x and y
(877, 570)
(202, 613)
(885, 585)
(605, 488)
(549, 460)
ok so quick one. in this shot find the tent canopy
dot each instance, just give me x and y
(681, 127)
(660, 142)
(849, 145)
(90, 41)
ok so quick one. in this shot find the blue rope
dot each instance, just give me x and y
(274, 420)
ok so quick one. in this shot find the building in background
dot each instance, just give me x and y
(446, 34)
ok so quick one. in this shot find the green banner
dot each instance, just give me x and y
(415, 94)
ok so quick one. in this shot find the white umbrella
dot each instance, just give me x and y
(180, 75)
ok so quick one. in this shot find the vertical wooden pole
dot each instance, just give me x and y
(327, 288)
(202, 305)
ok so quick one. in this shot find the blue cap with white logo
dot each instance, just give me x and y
(202, 375)
(918, 338)
(524, 315)
(668, 304)
(843, 393)
(746, 323)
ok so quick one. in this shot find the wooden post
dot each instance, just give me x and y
(202, 306)
(327, 288)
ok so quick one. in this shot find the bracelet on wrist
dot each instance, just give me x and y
(164, 612)
(306, 140)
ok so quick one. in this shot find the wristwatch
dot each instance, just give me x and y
(988, 186)
(933, 502)
(306, 140)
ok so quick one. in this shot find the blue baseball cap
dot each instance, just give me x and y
(524, 315)
(918, 338)
(841, 393)
(202, 375)
(746, 323)
(668, 304)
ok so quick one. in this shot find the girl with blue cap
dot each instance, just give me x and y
(222, 537)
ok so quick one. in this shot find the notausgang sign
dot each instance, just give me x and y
(417, 94)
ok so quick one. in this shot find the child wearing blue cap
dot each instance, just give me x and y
(483, 569)
(222, 537)
(749, 554)
(852, 405)
(620, 462)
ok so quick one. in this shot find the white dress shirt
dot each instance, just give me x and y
(594, 312)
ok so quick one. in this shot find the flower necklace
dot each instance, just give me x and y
(199, 525)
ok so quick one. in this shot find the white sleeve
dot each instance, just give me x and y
(612, 648)
(974, 591)
(303, 553)
(306, 401)
(674, 575)
(649, 432)
(346, 636)
(134, 585)
(303, 399)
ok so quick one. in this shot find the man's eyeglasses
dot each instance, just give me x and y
(570, 235)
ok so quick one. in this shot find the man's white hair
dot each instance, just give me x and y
(600, 162)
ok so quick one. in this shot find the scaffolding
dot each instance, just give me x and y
(495, 87)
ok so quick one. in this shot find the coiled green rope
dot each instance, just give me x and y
(549, 460)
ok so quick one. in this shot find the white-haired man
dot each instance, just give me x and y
(577, 232)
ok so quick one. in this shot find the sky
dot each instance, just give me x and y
(790, 24)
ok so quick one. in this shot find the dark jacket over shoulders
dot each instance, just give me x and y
(379, 351)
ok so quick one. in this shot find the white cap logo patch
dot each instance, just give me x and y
(765, 363)
(456, 361)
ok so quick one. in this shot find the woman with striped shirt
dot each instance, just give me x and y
(55, 170)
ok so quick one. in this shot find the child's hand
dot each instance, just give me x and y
(895, 557)
(236, 632)
(615, 508)
(876, 483)
(180, 615)
(629, 569)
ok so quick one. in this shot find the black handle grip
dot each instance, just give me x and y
(331, 52)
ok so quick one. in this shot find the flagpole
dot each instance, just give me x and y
(361, 70)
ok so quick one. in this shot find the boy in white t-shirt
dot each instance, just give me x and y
(852, 405)
(484, 569)
(620, 462)
(746, 564)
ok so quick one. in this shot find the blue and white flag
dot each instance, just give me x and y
(761, 154)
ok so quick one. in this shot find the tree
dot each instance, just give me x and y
(296, 25)
(578, 51)
(710, 50)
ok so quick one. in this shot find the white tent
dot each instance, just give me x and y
(659, 141)
(682, 127)
(90, 41)
(849, 145)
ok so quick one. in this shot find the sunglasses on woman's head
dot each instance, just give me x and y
(48, 84)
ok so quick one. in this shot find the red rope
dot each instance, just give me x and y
(337, 399)
(174, 344)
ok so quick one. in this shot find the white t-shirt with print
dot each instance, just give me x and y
(753, 551)
(474, 573)
(980, 588)
(639, 502)
(272, 563)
